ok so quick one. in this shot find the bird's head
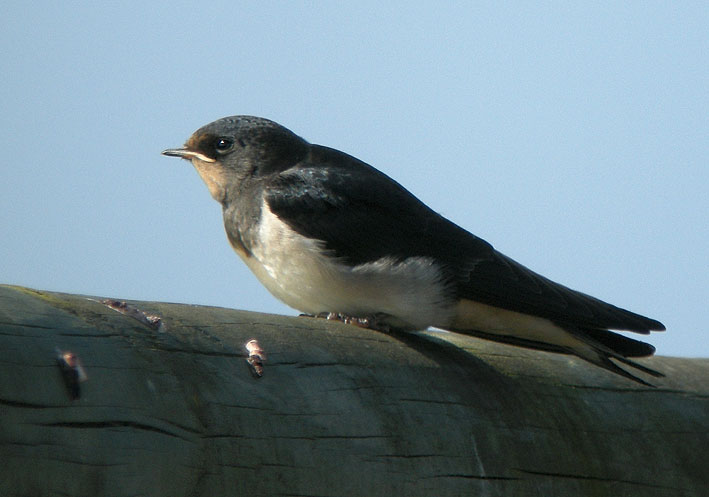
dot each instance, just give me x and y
(232, 150)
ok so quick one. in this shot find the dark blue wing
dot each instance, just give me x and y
(362, 215)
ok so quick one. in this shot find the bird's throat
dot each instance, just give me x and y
(213, 176)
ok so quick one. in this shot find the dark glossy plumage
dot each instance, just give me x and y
(263, 174)
(363, 215)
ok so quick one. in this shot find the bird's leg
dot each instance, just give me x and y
(373, 322)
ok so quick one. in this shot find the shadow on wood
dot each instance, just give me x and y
(340, 411)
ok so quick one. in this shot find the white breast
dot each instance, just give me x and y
(295, 270)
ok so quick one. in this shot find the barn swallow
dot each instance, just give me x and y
(328, 234)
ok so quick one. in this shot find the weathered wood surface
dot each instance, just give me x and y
(340, 411)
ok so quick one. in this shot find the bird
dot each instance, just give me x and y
(331, 236)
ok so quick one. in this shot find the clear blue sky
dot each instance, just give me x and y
(574, 136)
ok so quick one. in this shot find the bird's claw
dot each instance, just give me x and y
(369, 322)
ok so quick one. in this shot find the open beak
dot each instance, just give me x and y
(184, 153)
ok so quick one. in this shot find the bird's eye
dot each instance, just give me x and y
(224, 144)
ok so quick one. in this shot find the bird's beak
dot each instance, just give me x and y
(184, 153)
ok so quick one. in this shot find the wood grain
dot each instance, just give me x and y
(339, 411)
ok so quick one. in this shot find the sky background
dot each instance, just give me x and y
(574, 136)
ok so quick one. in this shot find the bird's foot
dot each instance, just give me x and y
(374, 322)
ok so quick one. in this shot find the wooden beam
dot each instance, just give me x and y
(174, 410)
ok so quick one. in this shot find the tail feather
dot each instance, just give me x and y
(605, 362)
(596, 346)
(640, 367)
(604, 345)
(622, 345)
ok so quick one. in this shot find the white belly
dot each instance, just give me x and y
(294, 270)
